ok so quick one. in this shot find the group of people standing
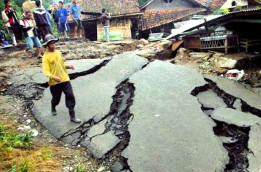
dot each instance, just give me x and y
(36, 23)
(60, 16)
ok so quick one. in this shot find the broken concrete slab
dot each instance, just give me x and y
(169, 131)
(237, 105)
(93, 94)
(237, 90)
(29, 83)
(228, 140)
(84, 64)
(33, 75)
(102, 144)
(117, 167)
(238, 118)
(209, 99)
(254, 141)
(97, 129)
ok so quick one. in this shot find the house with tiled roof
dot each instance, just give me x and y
(245, 4)
(125, 17)
(160, 14)
(211, 4)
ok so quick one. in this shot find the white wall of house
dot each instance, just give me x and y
(229, 3)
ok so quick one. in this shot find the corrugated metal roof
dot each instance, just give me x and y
(190, 24)
(212, 4)
(217, 20)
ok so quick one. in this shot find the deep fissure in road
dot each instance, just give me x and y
(237, 147)
(238, 137)
(117, 120)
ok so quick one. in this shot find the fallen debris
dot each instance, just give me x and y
(235, 74)
(101, 144)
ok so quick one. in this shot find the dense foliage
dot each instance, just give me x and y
(221, 11)
(143, 2)
(17, 5)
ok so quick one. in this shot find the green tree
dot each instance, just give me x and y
(238, 8)
(221, 11)
(15, 4)
(67, 1)
(143, 2)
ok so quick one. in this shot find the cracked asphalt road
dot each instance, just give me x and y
(152, 113)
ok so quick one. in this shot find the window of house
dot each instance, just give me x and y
(234, 3)
(168, 1)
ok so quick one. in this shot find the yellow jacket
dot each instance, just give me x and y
(53, 65)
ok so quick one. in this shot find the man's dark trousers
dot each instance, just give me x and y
(56, 91)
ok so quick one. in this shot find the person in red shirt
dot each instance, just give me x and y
(12, 19)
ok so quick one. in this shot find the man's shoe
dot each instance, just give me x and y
(73, 118)
(54, 112)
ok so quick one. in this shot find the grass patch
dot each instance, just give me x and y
(18, 154)
(80, 169)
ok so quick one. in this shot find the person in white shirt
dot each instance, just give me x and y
(30, 33)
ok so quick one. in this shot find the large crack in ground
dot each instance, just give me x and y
(117, 121)
(33, 91)
(235, 138)
(119, 117)
(236, 145)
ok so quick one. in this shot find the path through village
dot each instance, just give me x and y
(154, 116)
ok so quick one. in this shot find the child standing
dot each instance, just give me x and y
(55, 69)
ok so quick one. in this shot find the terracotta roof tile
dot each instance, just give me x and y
(217, 4)
(155, 18)
(212, 4)
(202, 2)
(115, 7)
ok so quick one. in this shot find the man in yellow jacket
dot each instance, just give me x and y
(55, 69)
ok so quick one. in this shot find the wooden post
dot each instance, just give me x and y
(247, 46)
(238, 45)
(226, 44)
